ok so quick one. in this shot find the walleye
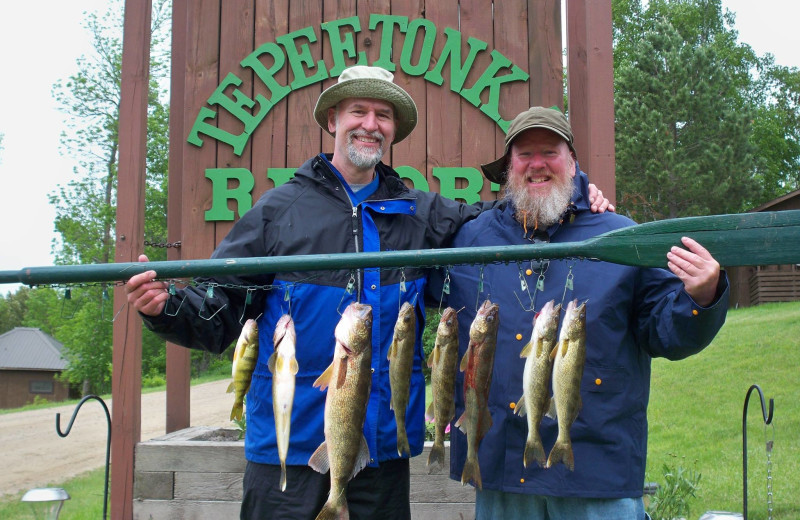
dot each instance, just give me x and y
(401, 360)
(443, 362)
(570, 356)
(283, 366)
(477, 365)
(245, 358)
(535, 399)
(344, 451)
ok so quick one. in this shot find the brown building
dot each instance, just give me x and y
(30, 360)
(752, 285)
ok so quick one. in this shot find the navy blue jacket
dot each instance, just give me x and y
(633, 315)
(312, 214)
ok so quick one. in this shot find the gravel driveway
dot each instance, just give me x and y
(34, 455)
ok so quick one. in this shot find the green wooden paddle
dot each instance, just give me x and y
(742, 239)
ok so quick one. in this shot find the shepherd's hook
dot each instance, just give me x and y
(108, 440)
(767, 421)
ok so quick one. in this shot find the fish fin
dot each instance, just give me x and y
(271, 363)
(471, 472)
(435, 459)
(526, 350)
(283, 476)
(551, 410)
(402, 444)
(236, 411)
(324, 379)
(319, 459)
(520, 408)
(564, 347)
(460, 422)
(362, 459)
(392, 349)
(434, 357)
(534, 451)
(230, 388)
(429, 413)
(465, 359)
(342, 373)
(561, 452)
(293, 366)
(554, 352)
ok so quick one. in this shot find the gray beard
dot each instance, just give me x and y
(544, 211)
(360, 159)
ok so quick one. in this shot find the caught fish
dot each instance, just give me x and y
(570, 356)
(477, 366)
(535, 400)
(345, 452)
(283, 366)
(245, 357)
(401, 360)
(443, 362)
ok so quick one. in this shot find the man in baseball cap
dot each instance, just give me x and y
(586, 459)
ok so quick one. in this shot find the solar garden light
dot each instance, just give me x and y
(46, 502)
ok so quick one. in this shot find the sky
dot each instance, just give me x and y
(39, 45)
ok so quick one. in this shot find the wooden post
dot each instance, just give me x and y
(126, 418)
(178, 358)
(590, 73)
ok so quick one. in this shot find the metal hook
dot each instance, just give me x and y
(567, 285)
(524, 287)
(172, 292)
(347, 290)
(445, 287)
(767, 421)
(248, 299)
(108, 439)
(480, 289)
(209, 294)
(67, 296)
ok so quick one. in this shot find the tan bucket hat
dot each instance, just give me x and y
(361, 81)
(535, 117)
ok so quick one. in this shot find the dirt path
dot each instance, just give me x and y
(32, 454)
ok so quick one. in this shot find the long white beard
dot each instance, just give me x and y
(363, 159)
(543, 210)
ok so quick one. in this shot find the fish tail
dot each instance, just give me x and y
(534, 451)
(436, 459)
(283, 476)
(471, 472)
(402, 442)
(236, 412)
(334, 509)
(562, 452)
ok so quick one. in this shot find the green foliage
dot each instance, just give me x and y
(85, 503)
(682, 130)
(12, 309)
(673, 495)
(429, 340)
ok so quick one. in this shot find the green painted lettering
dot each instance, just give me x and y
(451, 53)
(417, 179)
(237, 142)
(301, 56)
(388, 21)
(429, 36)
(447, 183)
(280, 176)
(221, 193)
(343, 43)
(490, 80)
(267, 75)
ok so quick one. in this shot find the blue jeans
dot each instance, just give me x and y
(498, 505)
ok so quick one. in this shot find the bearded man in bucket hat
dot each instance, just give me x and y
(344, 202)
(631, 315)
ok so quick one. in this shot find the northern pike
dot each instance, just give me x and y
(535, 400)
(570, 356)
(348, 378)
(401, 360)
(283, 366)
(477, 365)
(245, 357)
(443, 362)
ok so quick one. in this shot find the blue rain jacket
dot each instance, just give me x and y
(633, 315)
(313, 214)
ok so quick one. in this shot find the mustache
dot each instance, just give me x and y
(363, 133)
